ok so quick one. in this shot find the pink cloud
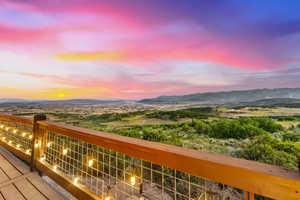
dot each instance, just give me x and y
(146, 44)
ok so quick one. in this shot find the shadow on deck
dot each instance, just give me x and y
(17, 182)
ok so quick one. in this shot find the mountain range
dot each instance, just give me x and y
(229, 97)
(243, 97)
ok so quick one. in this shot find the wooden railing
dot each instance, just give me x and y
(97, 165)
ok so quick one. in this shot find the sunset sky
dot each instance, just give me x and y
(133, 49)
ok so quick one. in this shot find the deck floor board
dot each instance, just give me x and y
(8, 168)
(28, 190)
(18, 183)
(3, 177)
(10, 192)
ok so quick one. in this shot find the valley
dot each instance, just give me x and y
(265, 134)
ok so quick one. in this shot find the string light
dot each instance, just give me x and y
(7, 129)
(132, 180)
(15, 131)
(49, 144)
(30, 137)
(75, 180)
(3, 138)
(65, 151)
(23, 134)
(18, 146)
(91, 163)
(43, 158)
(2, 126)
(37, 144)
(9, 142)
(55, 168)
(107, 198)
(28, 151)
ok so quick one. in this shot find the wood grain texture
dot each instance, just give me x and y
(10, 192)
(28, 190)
(3, 177)
(11, 171)
(79, 192)
(18, 183)
(17, 119)
(16, 152)
(18, 164)
(44, 188)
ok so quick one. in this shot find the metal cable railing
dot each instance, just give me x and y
(17, 135)
(110, 174)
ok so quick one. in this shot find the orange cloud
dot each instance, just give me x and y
(67, 93)
(77, 56)
(141, 57)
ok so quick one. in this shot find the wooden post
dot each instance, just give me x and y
(249, 196)
(35, 151)
(299, 163)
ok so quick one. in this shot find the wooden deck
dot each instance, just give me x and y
(18, 183)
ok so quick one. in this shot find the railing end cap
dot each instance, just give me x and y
(39, 117)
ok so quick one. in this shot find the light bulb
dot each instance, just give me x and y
(3, 138)
(49, 144)
(75, 180)
(55, 168)
(43, 158)
(28, 151)
(30, 137)
(23, 134)
(7, 129)
(132, 180)
(9, 142)
(18, 145)
(2, 126)
(37, 144)
(90, 163)
(107, 198)
(15, 131)
(65, 151)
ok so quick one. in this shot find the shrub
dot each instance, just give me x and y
(287, 118)
(233, 129)
(153, 135)
(265, 148)
(202, 127)
(266, 154)
(195, 113)
(268, 125)
(291, 136)
(288, 147)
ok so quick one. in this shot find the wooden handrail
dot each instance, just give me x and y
(17, 119)
(253, 177)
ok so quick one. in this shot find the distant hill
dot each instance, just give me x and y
(276, 102)
(68, 101)
(9, 100)
(82, 101)
(228, 97)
